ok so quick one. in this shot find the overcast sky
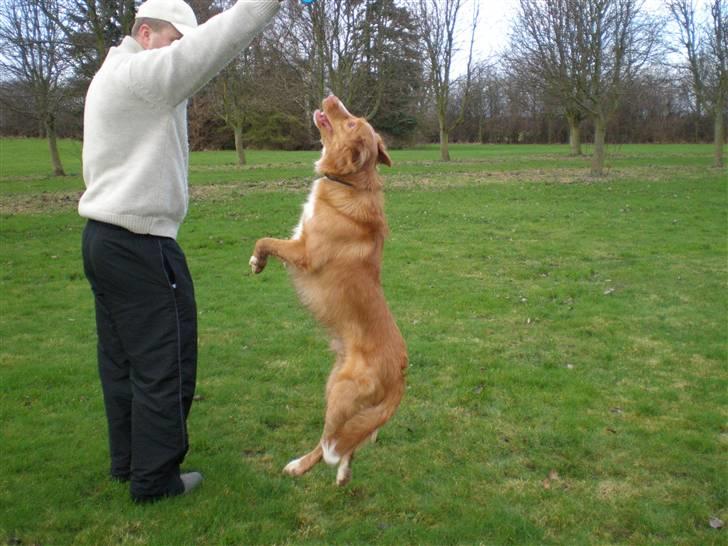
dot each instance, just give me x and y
(495, 23)
(496, 17)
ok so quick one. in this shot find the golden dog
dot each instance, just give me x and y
(334, 258)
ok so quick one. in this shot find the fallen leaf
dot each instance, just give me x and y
(716, 523)
(553, 477)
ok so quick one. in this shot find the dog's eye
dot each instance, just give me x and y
(351, 124)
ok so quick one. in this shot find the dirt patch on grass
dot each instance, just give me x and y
(29, 203)
(614, 491)
(220, 192)
(542, 176)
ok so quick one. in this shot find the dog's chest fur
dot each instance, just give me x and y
(308, 210)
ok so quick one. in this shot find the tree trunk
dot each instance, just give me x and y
(50, 129)
(718, 137)
(239, 148)
(444, 150)
(600, 130)
(574, 134)
(696, 130)
(549, 130)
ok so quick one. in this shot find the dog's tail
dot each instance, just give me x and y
(357, 430)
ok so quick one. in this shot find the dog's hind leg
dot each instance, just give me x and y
(343, 474)
(343, 396)
(300, 466)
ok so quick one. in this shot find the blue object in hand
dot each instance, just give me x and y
(307, 2)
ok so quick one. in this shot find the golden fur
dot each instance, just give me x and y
(334, 259)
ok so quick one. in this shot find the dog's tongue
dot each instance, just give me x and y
(322, 120)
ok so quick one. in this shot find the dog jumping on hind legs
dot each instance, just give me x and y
(334, 258)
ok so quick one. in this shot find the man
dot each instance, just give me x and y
(135, 158)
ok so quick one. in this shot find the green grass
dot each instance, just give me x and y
(567, 339)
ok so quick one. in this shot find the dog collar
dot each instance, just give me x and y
(339, 180)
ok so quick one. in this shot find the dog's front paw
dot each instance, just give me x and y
(257, 264)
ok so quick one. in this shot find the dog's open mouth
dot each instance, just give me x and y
(322, 122)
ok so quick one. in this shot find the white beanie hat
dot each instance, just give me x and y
(176, 12)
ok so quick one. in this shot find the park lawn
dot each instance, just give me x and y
(567, 340)
(25, 168)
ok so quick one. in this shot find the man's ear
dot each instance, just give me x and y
(382, 155)
(143, 35)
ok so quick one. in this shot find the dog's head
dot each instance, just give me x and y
(351, 145)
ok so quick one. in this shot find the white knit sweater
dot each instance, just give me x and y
(135, 149)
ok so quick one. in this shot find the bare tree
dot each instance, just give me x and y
(240, 93)
(326, 44)
(477, 109)
(706, 50)
(364, 52)
(90, 28)
(583, 53)
(439, 20)
(34, 56)
(545, 49)
(617, 39)
(234, 100)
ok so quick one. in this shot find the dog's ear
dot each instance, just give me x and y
(357, 157)
(382, 155)
(345, 158)
(359, 153)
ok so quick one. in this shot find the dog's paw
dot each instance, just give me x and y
(256, 264)
(343, 475)
(293, 468)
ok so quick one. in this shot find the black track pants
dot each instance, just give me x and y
(147, 352)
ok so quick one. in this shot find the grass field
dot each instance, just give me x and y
(567, 339)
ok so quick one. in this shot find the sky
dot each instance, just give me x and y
(496, 17)
(495, 24)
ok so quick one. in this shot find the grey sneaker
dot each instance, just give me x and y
(191, 480)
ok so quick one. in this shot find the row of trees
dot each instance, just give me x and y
(573, 69)
(656, 106)
(583, 55)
